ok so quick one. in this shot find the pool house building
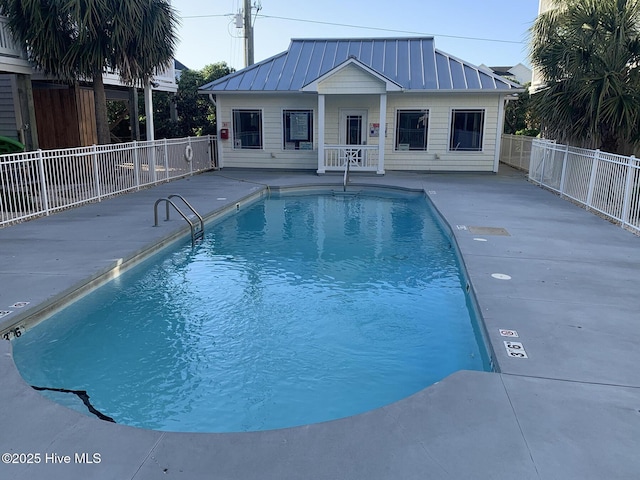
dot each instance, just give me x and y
(377, 104)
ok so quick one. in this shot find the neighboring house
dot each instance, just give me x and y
(43, 113)
(16, 116)
(179, 67)
(517, 73)
(537, 81)
(381, 103)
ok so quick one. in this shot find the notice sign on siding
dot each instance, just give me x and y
(299, 125)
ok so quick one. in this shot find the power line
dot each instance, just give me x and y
(209, 16)
(409, 32)
(392, 30)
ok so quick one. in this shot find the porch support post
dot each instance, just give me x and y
(148, 107)
(320, 133)
(382, 133)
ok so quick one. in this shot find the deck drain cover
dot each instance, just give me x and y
(489, 231)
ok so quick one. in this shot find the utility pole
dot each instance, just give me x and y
(248, 34)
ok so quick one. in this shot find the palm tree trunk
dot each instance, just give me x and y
(100, 100)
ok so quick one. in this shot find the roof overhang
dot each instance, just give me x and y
(390, 85)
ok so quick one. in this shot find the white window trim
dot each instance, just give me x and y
(395, 129)
(232, 129)
(484, 129)
(313, 129)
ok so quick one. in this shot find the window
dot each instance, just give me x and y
(247, 129)
(297, 126)
(466, 130)
(411, 129)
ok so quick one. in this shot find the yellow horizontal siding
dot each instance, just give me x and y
(439, 105)
(351, 80)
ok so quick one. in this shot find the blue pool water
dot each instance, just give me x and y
(295, 310)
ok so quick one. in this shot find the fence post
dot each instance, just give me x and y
(545, 152)
(136, 165)
(190, 161)
(166, 159)
(43, 183)
(628, 189)
(592, 179)
(96, 177)
(564, 169)
(521, 142)
(213, 151)
(532, 161)
(152, 161)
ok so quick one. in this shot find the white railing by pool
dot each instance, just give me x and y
(360, 157)
(44, 181)
(603, 182)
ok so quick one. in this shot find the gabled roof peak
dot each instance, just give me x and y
(391, 86)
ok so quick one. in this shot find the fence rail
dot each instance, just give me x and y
(515, 150)
(361, 157)
(603, 182)
(44, 181)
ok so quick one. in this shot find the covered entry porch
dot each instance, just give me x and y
(352, 116)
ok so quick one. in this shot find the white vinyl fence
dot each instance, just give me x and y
(604, 182)
(515, 151)
(44, 181)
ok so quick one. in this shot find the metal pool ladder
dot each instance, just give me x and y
(195, 221)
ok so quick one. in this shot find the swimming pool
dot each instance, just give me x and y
(295, 310)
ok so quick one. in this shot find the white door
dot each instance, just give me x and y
(353, 131)
(353, 125)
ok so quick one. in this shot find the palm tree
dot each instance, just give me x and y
(83, 39)
(588, 52)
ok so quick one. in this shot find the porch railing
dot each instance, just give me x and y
(8, 46)
(360, 157)
(45, 181)
(603, 182)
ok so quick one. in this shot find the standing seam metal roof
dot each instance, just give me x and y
(412, 63)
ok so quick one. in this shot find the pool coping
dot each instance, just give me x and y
(548, 416)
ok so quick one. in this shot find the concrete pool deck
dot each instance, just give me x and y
(569, 410)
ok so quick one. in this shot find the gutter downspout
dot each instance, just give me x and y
(502, 100)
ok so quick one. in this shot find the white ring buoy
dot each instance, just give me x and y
(188, 153)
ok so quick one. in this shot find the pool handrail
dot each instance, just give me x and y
(195, 233)
(347, 163)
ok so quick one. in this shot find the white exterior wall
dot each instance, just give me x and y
(536, 77)
(437, 157)
(351, 79)
(273, 154)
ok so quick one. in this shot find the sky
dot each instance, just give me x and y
(489, 32)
